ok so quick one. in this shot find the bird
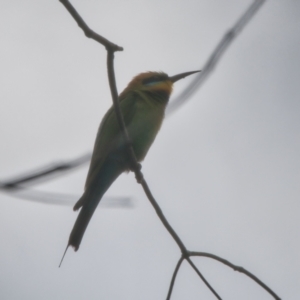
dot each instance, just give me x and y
(142, 103)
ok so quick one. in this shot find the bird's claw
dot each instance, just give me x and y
(136, 168)
(139, 177)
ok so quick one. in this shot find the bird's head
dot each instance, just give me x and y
(154, 82)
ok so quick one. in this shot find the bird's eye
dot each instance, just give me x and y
(151, 80)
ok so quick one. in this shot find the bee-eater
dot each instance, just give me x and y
(142, 104)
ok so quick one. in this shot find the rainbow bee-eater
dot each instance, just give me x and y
(142, 104)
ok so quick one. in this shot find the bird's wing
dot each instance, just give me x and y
(108, 137)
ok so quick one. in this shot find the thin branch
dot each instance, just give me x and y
(174, 277)
(62, 199)
(236, 268)
(135, 166)
(203, 278)
(163, 218)
(114, 93)
(214, 57)
(44, 173)
(87, 31)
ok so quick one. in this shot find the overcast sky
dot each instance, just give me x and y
(225, 168)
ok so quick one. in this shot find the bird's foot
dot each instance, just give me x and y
(136, 168)
(139, 177)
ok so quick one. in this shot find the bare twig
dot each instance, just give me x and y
(196, 270)
(87, 31)
(114, 93)
(214, 57)
(174, 277)
(136, 167)
(44, 173)
(203, 278)
(236, 268)
(63, 199)
(163, 219)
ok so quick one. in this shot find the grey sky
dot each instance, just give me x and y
(225, 168)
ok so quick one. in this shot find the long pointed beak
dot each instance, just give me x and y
(181, 75)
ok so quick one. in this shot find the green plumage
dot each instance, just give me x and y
(142, 117)
(142, 105)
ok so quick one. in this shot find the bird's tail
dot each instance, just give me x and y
(91, 198)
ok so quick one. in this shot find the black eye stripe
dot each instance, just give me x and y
(152, 79)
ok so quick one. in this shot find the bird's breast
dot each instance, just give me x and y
(145, 126)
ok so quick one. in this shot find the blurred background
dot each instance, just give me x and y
(225, 167)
